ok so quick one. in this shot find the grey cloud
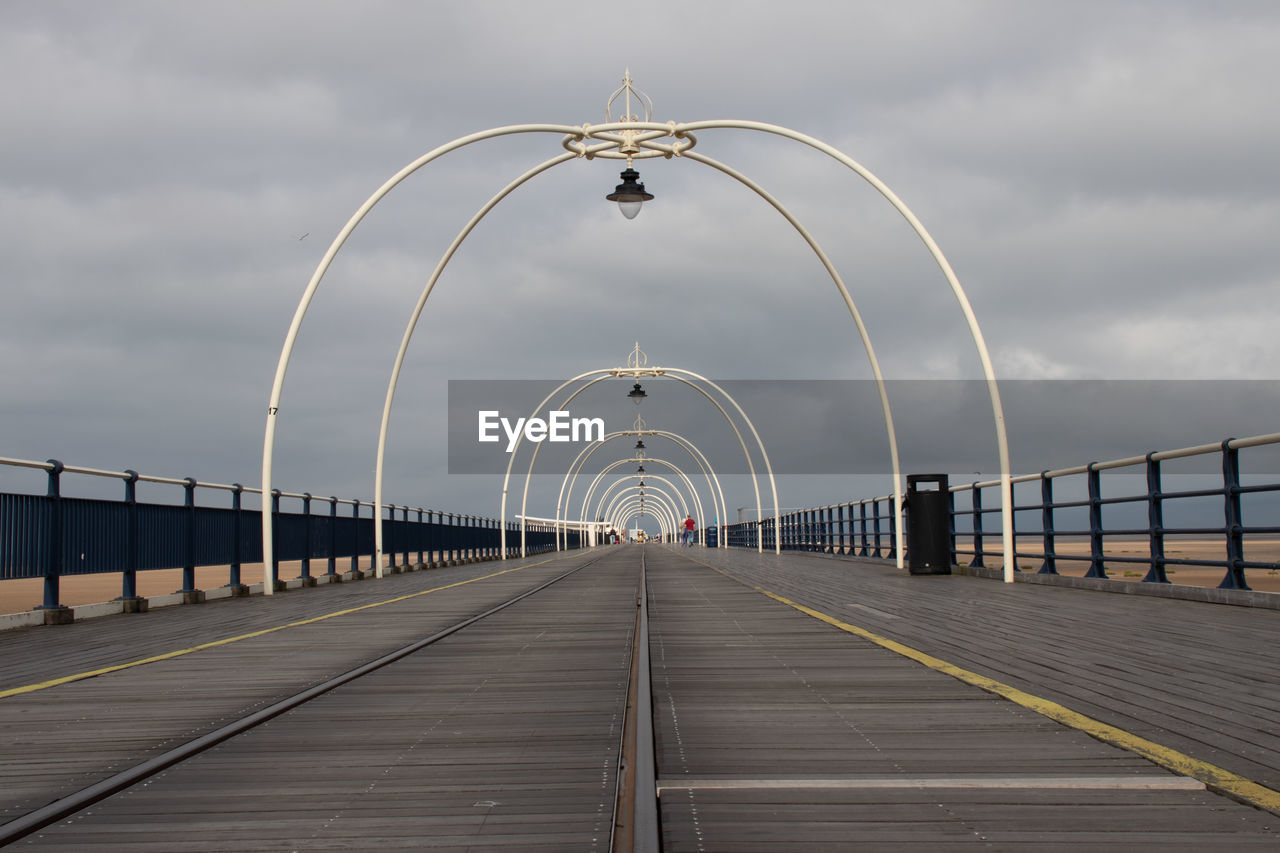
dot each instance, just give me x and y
(1099, 174)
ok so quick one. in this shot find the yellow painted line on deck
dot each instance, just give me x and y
(1214, 777)
(80, 676)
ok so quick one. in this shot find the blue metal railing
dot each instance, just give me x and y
(51, 536)
(866, 528)
(861, 529)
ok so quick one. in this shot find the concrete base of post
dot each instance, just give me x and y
(306, 581)
(57, 615)
(238, 590)
(136, 604)
(353, 575)
(192, 596)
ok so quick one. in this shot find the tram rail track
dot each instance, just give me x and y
(636, 816)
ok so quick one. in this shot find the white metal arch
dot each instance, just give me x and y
(602, 150)
(586, 500)
(659, 508)
(663, 514)
(640, 493)
(643, 135)
(674, 494)
(638, 372)
(571, 476)
(629, 483)
(634, 507)
(636, 512)
(595, 484)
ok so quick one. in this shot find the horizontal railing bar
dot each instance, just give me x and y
(175, 481)
(26, 463)
(1180, 453)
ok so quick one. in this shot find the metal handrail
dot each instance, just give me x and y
(836, 528)
(50, 536)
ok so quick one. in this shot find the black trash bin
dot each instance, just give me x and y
(928, 524)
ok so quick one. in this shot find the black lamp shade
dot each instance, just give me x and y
(630, 194)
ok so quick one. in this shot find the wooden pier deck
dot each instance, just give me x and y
(789, 710)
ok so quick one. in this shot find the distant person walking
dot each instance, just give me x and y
(689, 524)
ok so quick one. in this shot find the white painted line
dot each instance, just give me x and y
(865, 609)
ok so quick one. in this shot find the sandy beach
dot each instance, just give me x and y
(1256, 550)
(17, 596)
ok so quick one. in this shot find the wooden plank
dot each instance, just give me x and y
(746, 688)
(1199, 678)
(504, 735)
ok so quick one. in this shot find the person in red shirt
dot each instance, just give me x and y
(689, 524)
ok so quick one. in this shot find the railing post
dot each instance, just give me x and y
(355, 541)
(129, 578)
(389, 539)
(1155, 522)
(404, 517)
(1233, 527)
(1096, 567)
(234, 583)
(55, 613)
(893, 529)
(271, 575)
(332, 568)
(875, 518)
(975, 502)
(862, 529)
(190, 595)
(305, 572)
(421, 534)
(375, 563)
(1050, 564)
(951, 523)
(840, 528)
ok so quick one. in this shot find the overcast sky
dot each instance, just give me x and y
(1102, 176)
